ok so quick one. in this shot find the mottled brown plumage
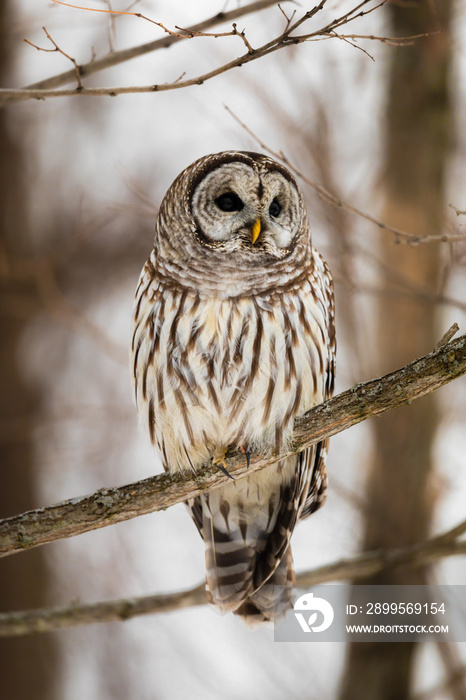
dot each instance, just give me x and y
(233, 337)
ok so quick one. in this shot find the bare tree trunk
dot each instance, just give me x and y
(26, 665)
(418, 130)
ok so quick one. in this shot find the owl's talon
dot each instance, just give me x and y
(248, 456)
(223, 468)
(222, 465)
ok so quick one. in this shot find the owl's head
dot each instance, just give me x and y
(234, 212)
(245, 201)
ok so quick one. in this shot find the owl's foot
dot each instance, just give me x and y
(219, 461)
(248, 455)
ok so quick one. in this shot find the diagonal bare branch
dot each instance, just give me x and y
(108, 506)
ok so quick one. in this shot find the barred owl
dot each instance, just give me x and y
(233, 337)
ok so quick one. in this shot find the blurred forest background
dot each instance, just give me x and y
(381, 128)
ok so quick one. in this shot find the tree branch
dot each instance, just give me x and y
(114, 58)
(360, 566)
(282, 41)
(108, 506)
(329, 198)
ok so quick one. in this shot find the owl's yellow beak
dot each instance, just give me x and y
(256, 229)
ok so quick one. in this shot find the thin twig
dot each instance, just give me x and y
(397, 41)
(329, 198)
(243, 37)
(451, 332)
(288, 19)
(55, 49)
(457, 211)
(108, 506)
(347, 39)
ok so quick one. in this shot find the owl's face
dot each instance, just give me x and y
(232, 224)
(240, 206)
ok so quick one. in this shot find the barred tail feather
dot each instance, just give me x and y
(229, 566)
(247, 539)
(231, 569)
(274, 598)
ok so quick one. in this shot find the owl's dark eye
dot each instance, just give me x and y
(229, 201)
(275, 208)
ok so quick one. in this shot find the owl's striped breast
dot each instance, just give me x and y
(211, 373)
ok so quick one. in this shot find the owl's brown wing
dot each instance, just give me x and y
(318, 483)
(317, 492)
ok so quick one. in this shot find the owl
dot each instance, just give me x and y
(233, 338)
